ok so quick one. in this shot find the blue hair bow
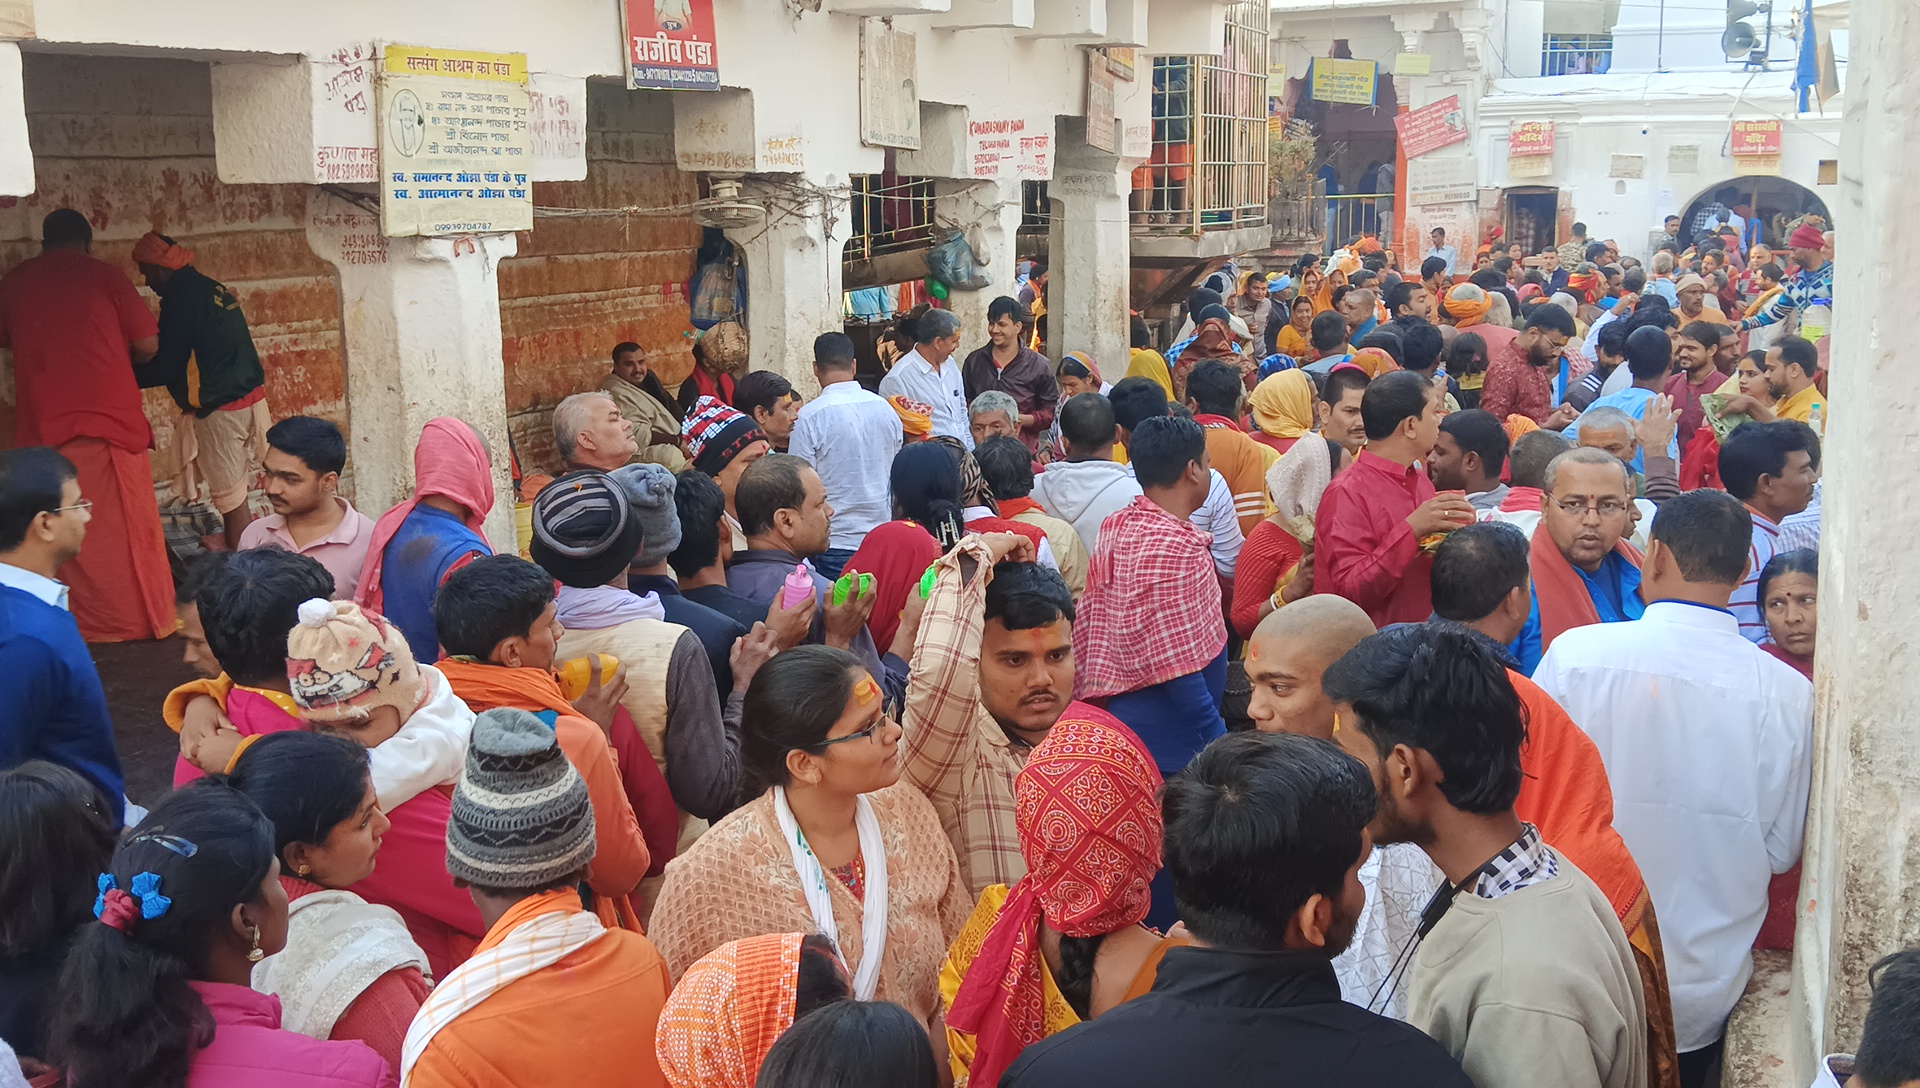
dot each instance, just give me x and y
(145, 889)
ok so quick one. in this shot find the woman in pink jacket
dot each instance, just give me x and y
(157, 994)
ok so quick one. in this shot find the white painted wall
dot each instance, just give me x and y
(1596, 117)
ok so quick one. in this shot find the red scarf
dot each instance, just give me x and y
(1090, 830)
(1208, 419)
(1013, 508)
(1565, 602)
(1522, 498)
(449, 461)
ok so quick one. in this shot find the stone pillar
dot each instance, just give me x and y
(793, 274)
(420, 325)
(989, 213)
(1091, 244)
(1860, 861)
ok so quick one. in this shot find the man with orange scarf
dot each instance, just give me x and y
(77, 328)
(436, 532)
(1480, 577)
(1088, 814)
(207, 362)
(1584, 569)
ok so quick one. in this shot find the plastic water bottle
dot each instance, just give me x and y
(1817, 418)
(798, 587)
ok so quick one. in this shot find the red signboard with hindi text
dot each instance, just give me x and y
(1754, 138)
(670, 45)
(1431, 127)
(1529, 138)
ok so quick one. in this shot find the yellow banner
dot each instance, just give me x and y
(420, 60)
(1350, 81)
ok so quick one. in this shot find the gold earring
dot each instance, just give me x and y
(305, 869)
(254, 955)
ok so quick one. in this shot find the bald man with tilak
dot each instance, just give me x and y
(1287, 655)
(1289, 652)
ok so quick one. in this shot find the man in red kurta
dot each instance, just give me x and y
(76, 326)
(1368, 530)
(1520, 375)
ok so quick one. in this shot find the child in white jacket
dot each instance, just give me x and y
(352, 673)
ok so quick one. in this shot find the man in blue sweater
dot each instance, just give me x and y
(52, 706)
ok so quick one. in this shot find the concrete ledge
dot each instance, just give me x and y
(1212, 243)
(1758, 1031)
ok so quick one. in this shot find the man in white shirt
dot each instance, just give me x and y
(1442, 250)
(931, 375)
(849, 436)
(1708, 741)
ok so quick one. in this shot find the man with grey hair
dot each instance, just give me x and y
(930, 374)
(1660, 280)
(1584, 569)
(993, 414)
(589, 431)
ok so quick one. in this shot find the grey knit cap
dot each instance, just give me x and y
(583, 532)
(649, 491)
(521, 816)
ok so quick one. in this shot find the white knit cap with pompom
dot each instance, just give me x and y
(316, 612)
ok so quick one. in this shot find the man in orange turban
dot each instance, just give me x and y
(208, 363)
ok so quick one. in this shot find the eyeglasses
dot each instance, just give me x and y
(83, 504)
(867, 732)
(1577, 508)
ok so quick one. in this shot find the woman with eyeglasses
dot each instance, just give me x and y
(834, 843)
(156, 991)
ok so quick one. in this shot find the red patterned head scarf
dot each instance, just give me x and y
(1088, 812)
(718, 1024)
(450, 460)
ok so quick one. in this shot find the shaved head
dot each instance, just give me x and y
(1287, 655)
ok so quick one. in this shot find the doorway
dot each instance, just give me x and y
(1531, 214)
(1769, 206)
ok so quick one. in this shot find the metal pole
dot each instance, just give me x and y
(1660, 50)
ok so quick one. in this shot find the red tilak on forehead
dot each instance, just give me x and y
(1039, 637)
(866, 691)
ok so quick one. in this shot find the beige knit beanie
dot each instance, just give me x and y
(342, 662)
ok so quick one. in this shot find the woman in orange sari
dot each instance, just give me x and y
(1029, 962)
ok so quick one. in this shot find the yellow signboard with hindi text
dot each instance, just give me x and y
(455, 136)
(1349, 81)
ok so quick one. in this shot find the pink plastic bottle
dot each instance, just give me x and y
(797, 588)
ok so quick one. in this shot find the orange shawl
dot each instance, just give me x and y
(621, 856)
(1566, 795)
(728, 1010)
(1562, 593)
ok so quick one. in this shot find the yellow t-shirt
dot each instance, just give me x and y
(1800, 406)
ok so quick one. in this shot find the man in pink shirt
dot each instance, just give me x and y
(1370, 525)
(302, 474)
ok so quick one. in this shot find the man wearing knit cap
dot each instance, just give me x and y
(586, 535)
(722, 442)
(650, 498)
(551, 996)
(208, 363)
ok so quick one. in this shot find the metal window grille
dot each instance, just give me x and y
(1208, 169)
(892, 213)
(1036, 207)
(1577, 54)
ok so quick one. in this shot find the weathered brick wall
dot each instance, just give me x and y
(583, 284)
(129, 142)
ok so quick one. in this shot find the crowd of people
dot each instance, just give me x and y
(1376, 684)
